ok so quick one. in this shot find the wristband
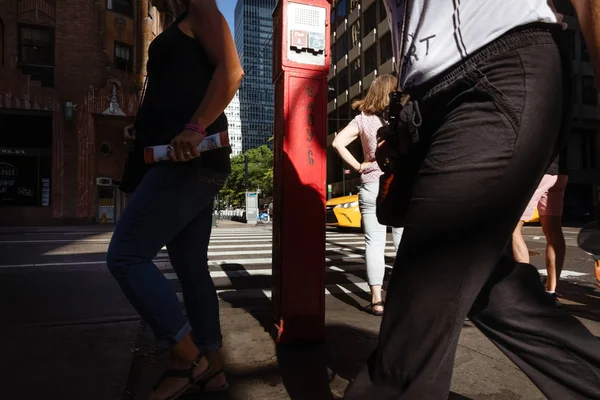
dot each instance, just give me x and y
(196, 128)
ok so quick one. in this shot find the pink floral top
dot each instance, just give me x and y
(367, 126)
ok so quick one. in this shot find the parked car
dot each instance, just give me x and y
(343, 213)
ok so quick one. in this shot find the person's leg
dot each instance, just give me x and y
(476, 179)
(520, 250)
(162, 206)
(519, 247)
(375, 240)
(551, 208)
(188, 254)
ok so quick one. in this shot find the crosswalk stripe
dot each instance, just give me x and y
(242, 273)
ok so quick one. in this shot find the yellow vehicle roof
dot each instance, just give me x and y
(342, 200)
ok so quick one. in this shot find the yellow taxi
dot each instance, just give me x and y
(342, 212)
(535, 218)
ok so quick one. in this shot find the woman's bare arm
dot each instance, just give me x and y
(211, 30)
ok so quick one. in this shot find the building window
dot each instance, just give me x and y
(341, 12)
(36, 53)
(344, 115)
(120, 6)
(332, 90)
(370, 20)
(332, 122)
(589, 93)
(343, 81)
(123, 57)
(385, 48)
(370, 59)
(36, 46)
(342, 47)
(382, 11)
(355, 34)
(355, 73)
(332, 58)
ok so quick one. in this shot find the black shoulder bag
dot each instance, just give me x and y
(395, 143)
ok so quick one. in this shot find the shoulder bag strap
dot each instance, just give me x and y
(402, 42)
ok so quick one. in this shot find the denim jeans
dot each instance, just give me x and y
(375, 234)
(172, 206)
(490, 130)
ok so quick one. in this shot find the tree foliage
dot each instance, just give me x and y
(260, 176)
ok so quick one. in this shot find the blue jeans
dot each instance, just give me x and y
(172, 206)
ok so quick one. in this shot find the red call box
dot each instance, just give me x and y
(300, 70)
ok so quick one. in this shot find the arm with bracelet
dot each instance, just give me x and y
(205, 23)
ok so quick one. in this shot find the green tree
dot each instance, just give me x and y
(260, 175)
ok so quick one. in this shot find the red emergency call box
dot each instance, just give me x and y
(300, 69)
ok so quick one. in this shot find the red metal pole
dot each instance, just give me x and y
(300, 69)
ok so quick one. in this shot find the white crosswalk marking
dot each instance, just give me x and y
(240, 263)
(239, 260)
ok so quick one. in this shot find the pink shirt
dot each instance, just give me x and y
(367, 126)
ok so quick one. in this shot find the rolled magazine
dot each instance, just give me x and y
(155, 154)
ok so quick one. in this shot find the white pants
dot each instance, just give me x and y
(375, 234)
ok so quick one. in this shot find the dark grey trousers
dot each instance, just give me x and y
(490, 129)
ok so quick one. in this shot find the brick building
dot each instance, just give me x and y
(71, 73)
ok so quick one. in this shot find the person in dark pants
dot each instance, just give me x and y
(491, 93)
(193, 73)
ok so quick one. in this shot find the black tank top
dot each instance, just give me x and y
(179, 73)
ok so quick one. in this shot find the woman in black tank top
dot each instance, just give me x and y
(193, 73)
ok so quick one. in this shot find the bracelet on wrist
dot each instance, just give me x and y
(196, 128)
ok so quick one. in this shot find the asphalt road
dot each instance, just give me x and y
(59, 274)
(61, 307)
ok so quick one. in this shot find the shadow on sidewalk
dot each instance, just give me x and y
(323, 371)
(579, 300)
(318, 371)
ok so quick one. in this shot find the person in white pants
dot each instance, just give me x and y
(365, 126)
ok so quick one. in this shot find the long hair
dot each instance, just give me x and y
(378, 96)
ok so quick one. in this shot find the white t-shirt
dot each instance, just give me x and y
(440, 33)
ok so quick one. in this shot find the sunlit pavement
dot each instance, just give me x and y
(62, 309)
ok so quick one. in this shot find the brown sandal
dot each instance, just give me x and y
(371, 308)
(183, 373)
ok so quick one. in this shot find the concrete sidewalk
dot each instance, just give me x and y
(258, 370)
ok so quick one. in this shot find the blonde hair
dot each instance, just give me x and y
(378, 96)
